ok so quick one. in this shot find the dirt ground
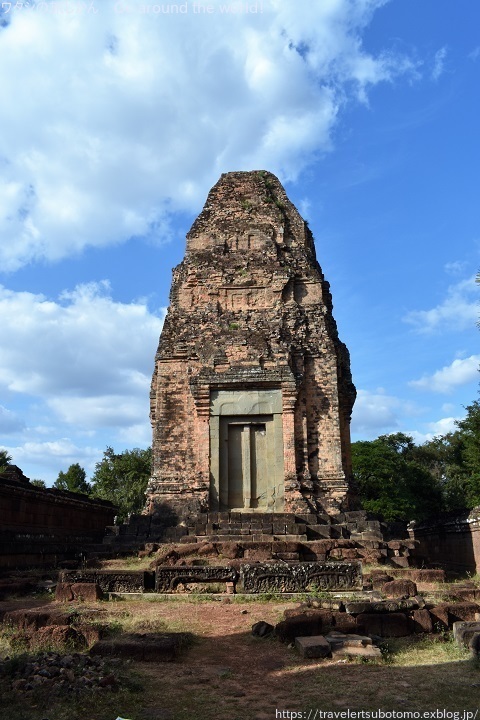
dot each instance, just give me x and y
(228, 674)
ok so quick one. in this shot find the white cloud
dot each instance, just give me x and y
(51, 457)
(110, 121)
(87, 357)
(456, 268)
(460, 372)
(378, 413)
(434, 429)
(458, 311)
(439, 63)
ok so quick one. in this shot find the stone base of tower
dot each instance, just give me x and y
(181, 501)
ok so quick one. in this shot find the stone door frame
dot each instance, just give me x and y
(246, 407)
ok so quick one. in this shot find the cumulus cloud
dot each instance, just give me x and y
(459, 372)
(87, 357)
(378, 413)
(60, 453)
(434, 429)
(458, 311)
(113, 120)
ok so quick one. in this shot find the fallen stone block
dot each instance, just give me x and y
(445, 614)
(345, 623)
(313, 647)
(382, 606)
(424, 576)
(399, 588)
(464, 631)
(399, 561)
(369, 652)
(339, 640)
(307, 624)
(422, 621)
(262, 629)
(87, 592)
(474, 644)
(387, 625)
(35, 618)
(63, 592)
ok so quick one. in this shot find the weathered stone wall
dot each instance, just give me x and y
(250, 311)
(40, 526)
(452, 541)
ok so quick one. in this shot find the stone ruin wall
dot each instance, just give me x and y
(451, 541)
(40, 526)
(250, 312)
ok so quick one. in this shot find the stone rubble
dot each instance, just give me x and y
(61, 673)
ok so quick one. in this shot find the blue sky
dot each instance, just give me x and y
(117, 118)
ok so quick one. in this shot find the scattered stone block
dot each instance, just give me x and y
(425, 576)
(338, 640)
(385, 625)
(63, 592)
(34, 618)
(378, 580)
(382, 606)
(345, 623)
(262, 629)
(463, 632)
(305, 625)
(87, 592)
(474, 644)
(422, 621)
(313, 647)
(445, 614)
(399, 588)
(369, 652)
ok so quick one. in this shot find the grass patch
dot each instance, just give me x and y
(423, 650)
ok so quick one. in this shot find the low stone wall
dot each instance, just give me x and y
(451, 541)
(43, 526)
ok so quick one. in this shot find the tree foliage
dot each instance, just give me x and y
(122, 478)
(392, 480)
(36, 482)
(403, 481)
(74, 480)
(5, 460)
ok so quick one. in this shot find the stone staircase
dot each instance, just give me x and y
(260, 537)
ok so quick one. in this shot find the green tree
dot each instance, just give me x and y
(392, 479)
(122, 478)
(5, 460)
(74, 480)
(38, 483)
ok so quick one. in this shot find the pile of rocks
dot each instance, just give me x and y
(334, 628)
(57, 672)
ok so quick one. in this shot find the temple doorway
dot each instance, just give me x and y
(247, 451)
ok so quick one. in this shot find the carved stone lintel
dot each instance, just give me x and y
(168, 578)
(301, 577)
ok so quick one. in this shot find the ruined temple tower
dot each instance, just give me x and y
(252, 393)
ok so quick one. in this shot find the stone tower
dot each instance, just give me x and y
(252, 394)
